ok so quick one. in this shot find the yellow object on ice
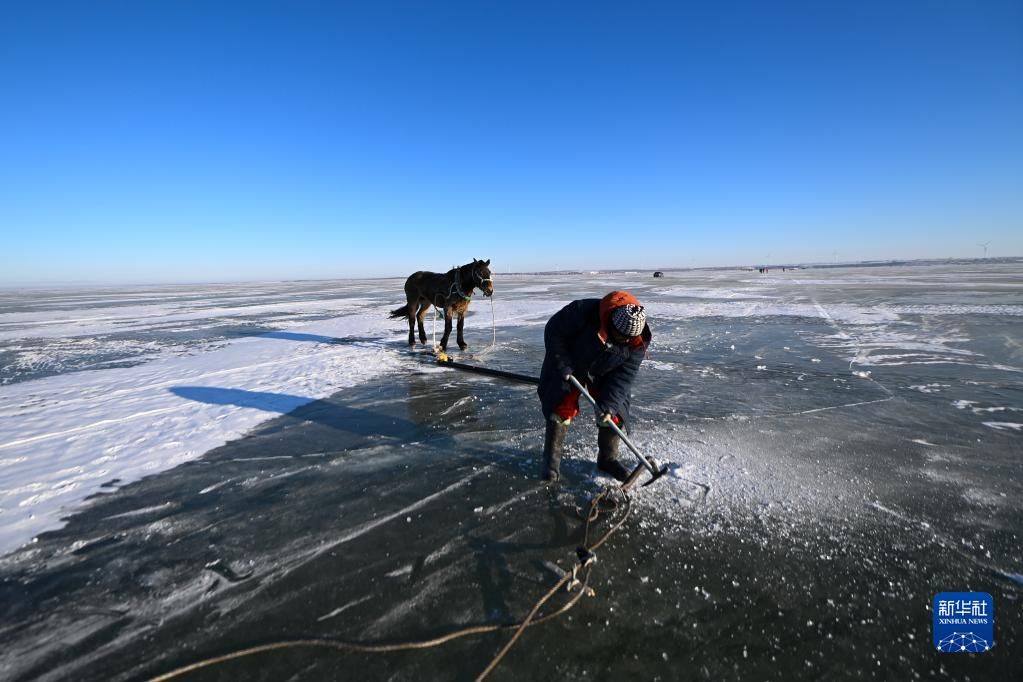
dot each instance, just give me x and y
(442, 356)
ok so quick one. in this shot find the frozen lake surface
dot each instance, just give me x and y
(186, 471)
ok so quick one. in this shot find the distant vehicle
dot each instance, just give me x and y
(658, 274)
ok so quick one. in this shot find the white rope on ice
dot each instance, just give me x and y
(493, 326)
(493, 321)
(435, 311)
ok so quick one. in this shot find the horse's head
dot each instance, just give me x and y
(480, 277)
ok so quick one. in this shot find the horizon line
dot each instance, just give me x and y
(566, 271)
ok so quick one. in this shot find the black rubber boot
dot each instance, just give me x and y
(607, 454)
(553, 440)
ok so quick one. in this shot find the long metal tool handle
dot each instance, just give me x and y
(445, 361)
(649, 462)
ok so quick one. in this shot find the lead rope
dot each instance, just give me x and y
(493, 316)
(456, 286)
(456, 289)
(586, 560)
(571, 580)
(493, 322)
(436, 312)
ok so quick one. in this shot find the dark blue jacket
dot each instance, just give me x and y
(573, 345)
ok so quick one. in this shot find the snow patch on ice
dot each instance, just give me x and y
(110, 320)
(341, 609)
(398, 572)
(1005, 426)
(987, 410)
(48, 444)
(712, 293)
(842, 313)
(143, 511)
(929, 388)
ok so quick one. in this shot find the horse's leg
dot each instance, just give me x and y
(424, 306)
(411, 310)
(461, 323)
(447, 329)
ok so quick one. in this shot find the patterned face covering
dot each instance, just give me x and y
(629, 320)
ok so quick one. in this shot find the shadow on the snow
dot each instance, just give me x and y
(262, 333)
(300, 408)
(366, 501)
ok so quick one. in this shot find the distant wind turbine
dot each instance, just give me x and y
(984, 246)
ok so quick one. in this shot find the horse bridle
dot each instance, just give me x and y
(456, 286)
(480, 280)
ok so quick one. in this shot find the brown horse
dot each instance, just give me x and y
(450, 292)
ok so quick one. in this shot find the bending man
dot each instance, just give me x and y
(602, 343)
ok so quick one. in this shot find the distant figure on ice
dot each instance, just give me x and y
(600, 341)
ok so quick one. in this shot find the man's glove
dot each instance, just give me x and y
(605, 419)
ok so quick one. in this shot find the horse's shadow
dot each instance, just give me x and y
(249, 520)
(313, 338)
(355, 421)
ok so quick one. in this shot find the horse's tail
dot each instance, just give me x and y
(400, 312)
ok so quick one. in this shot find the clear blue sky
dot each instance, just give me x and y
(162, 141)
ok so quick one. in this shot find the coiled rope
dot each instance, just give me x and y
(577, 580)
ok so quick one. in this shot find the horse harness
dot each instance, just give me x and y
(455, 289)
